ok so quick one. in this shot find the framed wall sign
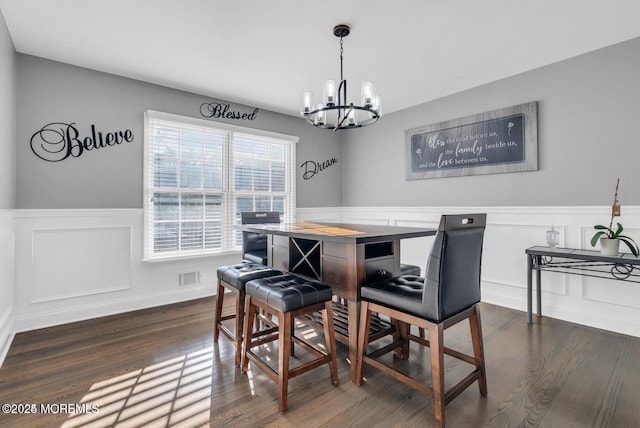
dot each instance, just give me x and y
(504, 140)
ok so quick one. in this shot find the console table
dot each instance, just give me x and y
(624, 267)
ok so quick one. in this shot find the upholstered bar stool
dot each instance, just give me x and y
(406, 269)
(288, 297)
(234, 278)
(448, 294)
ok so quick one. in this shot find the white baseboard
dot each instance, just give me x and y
(505, 300)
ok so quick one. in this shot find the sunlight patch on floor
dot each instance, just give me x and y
(175, 392)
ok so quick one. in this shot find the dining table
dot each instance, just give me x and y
(344, 256)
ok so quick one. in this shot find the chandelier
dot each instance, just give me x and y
(335, 112)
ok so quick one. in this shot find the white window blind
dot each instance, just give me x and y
(199, 177)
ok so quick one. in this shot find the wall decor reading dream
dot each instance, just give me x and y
(503, 140)
(311, 168)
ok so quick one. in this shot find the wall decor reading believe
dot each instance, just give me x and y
(311, 168)
(57, 141)
(222, 111)
(504, 140)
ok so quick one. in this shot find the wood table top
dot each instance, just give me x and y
(341, 232)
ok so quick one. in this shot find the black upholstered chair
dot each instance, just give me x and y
(449, 294)
(254, 245)
(287, 297)
(234, 278)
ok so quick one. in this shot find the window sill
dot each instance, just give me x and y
(177, 258)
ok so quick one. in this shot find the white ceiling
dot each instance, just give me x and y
(266, 53)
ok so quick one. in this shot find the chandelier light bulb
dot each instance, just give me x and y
(320, 117)
(352, 119)
(368, 93)
(329, 94)
(377, 106)
(307, 100)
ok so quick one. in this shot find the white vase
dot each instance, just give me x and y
(609, 247)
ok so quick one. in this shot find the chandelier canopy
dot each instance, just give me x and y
(335, 112)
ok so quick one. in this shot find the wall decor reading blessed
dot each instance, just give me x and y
(57, 141)
(311, 168)
(223, 111)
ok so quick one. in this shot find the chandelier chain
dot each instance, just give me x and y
(341, 50)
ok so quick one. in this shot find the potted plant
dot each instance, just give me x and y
(610, 239)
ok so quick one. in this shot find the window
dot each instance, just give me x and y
(200, 175)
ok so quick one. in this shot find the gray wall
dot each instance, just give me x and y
(588, 111)
(111, 177)
(7, 118)
(7, 180)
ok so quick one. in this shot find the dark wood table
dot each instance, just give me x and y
(344, 256)
(623, 267)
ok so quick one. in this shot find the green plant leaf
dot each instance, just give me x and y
(595, 238)
(618, 231)
(630, 243)
(605, 229)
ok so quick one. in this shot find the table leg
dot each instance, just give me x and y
(354, 316)
(529, 287)
(539, 286)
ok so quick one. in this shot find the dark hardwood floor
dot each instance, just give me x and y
(160, 367)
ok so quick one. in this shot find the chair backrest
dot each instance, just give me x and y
(254, 217)
(257, 241)
(452, 276)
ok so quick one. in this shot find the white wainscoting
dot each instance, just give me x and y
(72, 265)
(100, 263)
(601, 303)
(58, 278)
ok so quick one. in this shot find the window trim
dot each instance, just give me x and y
(148, 255)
